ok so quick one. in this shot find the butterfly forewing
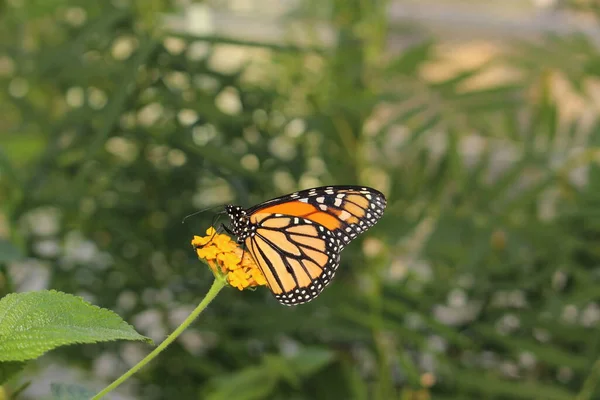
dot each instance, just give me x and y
(296, 239)
(347, 211)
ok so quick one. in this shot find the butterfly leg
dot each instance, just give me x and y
(226, 229)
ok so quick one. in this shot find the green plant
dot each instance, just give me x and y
(482, 273)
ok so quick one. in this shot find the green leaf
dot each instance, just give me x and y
(16, 392)
(61, 391)
(23, 147)
(248, 384)
(6, 167)
(311, 359)
(259, 382)
(278, 366)
(36, 322)
(117, 104)
(553, 355)
(8, 252)
(487, 385)
(411, 59)
(358, 387)
(8, 369)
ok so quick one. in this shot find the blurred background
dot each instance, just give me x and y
(477, 119)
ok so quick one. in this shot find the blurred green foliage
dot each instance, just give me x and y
(481, 281)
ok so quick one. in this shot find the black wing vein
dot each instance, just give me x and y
(268, 262)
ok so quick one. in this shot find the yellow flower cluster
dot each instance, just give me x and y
(224, 257)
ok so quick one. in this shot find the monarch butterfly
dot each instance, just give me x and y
(296, 239)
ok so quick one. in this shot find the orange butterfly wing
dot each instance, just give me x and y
(296, 239)
(345, 210)
(297, 256)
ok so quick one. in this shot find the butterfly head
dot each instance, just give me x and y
(239, 221)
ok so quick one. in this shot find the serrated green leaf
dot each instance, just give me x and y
(8, 369)
(8, 252)
(61, 391)
(36, 322)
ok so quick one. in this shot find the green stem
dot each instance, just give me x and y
(216, 287)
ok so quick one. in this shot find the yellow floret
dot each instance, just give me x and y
(227, 259)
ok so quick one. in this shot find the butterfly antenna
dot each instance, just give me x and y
(199, 212)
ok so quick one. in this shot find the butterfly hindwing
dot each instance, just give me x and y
(298, 257)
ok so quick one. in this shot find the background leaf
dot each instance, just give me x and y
(9, 369)
(70, 392)
(8, 252)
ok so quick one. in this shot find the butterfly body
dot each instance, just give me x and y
(296, 240)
